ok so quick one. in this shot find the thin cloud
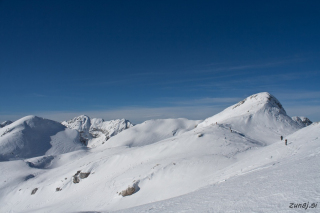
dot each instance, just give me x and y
(254, 65)
(202, 101)
(299, 95)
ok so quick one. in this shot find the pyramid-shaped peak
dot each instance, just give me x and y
(262, 98)
(261, 103)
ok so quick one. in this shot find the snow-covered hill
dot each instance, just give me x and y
(96, 131)
(286, 180)
(260, 116)
(233, 161)
(152, 131)
(32, 136)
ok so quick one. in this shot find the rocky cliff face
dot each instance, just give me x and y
(96, 127)
(303, 121)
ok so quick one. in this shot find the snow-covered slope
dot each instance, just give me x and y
(33, 136)
(210, 165)
(5, 123)
(286, 180)
(152, 131)
(96, 131)
(303, 121)
(260, 116)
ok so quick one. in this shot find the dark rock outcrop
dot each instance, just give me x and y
(84, 175)
(34, 191)
(131, 189)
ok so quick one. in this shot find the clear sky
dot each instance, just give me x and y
(156, 59)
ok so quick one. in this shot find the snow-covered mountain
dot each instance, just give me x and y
(5, 123)
(233, 161)
(32, 136)
(260, 116)
(96, 131)
(303, 121)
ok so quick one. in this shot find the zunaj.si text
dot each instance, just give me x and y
(303, 205)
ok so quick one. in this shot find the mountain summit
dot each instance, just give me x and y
(96, 131)
(33, 136)
(258, 115)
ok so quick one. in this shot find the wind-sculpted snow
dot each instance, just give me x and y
(237, 164)
(33, 136)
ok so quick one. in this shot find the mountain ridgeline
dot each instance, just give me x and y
(114, 165)
(260, 117)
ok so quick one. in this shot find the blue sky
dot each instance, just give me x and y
(156, 59)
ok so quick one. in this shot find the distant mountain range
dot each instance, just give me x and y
(88, 164)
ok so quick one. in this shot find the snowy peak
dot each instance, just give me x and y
(33, 136)
(81, 123)
(258, 101)
(5, 123)
(258, 115)
(303, 121)
(96, 130)
(108, 128)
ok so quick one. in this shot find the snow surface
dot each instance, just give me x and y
(286, 174)
(238, 164)
(32, 136)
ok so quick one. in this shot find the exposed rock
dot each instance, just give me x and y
(131, 189)
(80, 175)
(303, 121)
(5, 123)
(84, 175)
(96, 127)
(34, 191)
(58, 189)
(200, 135)
(29, 177)
(7, 131)
(76, 179)
(128, 191)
